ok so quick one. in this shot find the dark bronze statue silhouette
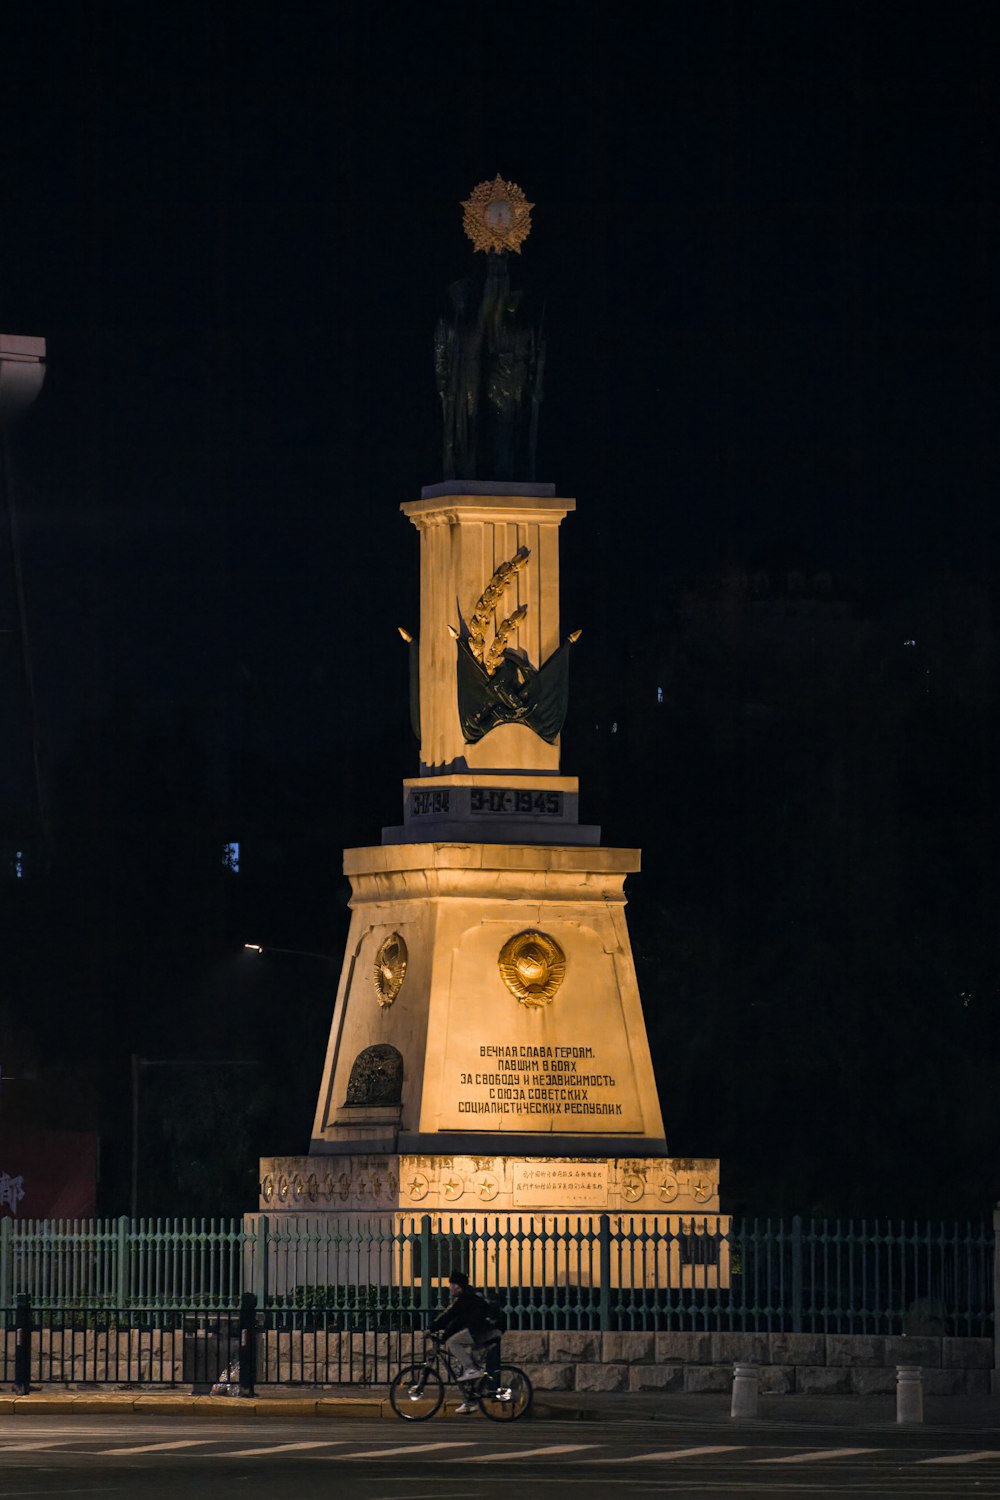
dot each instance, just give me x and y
(489, 364)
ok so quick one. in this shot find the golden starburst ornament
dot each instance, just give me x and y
(497, 216)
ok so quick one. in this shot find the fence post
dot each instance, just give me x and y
(604, 1272)
(425, 1267)
(797, 1273)
(248, 1343)
(121, 1277)
(259, 1258)
(22, 1345)
(6, 1249)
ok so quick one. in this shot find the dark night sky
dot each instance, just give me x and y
(766, 236)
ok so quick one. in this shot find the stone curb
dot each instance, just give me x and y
(48, 1404)
(170, 1404)
(783, 1412)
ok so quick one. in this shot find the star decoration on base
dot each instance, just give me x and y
(487, 1186)
(669, 1188)
(417, 1186)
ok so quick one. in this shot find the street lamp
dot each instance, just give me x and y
(260, 949)
(22, 371)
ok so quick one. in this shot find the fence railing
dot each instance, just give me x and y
(158, 1298)
(120, 1263)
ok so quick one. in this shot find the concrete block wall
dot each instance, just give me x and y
(126, 1356)
(790, 1363)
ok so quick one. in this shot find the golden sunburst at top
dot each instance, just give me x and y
(497, 216)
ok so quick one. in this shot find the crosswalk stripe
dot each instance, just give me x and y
(33, 1447)
(156, 1447)
(502, 1457)
(671, 1453)
(551, 1450)
(277, 1448)
(816, 1455)
(963, 1458)
(401, 1452)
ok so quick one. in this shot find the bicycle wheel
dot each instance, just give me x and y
(416, 1393)
(507, 1398)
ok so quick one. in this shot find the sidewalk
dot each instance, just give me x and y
(978, 1413)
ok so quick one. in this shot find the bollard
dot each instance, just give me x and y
(22, 1345)
(909, 1393)
(745, 1391)
(248, 1343)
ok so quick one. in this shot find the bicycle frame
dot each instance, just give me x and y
(417, 1391)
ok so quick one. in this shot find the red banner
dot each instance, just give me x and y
(48, 1174)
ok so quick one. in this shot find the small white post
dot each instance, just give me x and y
(909, 1393)
(745, 1391)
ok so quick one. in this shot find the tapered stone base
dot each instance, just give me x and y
(479, 1071)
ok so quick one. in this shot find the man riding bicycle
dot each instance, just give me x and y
(464, 1325)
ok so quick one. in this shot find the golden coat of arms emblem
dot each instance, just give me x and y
(390, 968)
(532, 966)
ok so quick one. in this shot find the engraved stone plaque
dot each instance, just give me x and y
(560, 1184)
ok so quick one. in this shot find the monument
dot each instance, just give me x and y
(488, 1062)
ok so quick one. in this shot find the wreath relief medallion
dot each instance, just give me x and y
(390, 968)
(532, 966)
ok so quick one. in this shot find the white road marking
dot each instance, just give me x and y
(671, 1453)
(502, 1457)
(157, 1447)
(816, 1455)
(278, 1448)
(34, 1447)
(963, 1458)
(400, 1452)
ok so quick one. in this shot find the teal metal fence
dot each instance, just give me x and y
(157, 1300)
(121, 1263)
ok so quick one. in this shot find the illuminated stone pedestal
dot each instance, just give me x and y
(467, 529)
(455, 1063)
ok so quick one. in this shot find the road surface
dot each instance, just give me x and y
(304, 1459)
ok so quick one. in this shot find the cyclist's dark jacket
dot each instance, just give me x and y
(467, 1311)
